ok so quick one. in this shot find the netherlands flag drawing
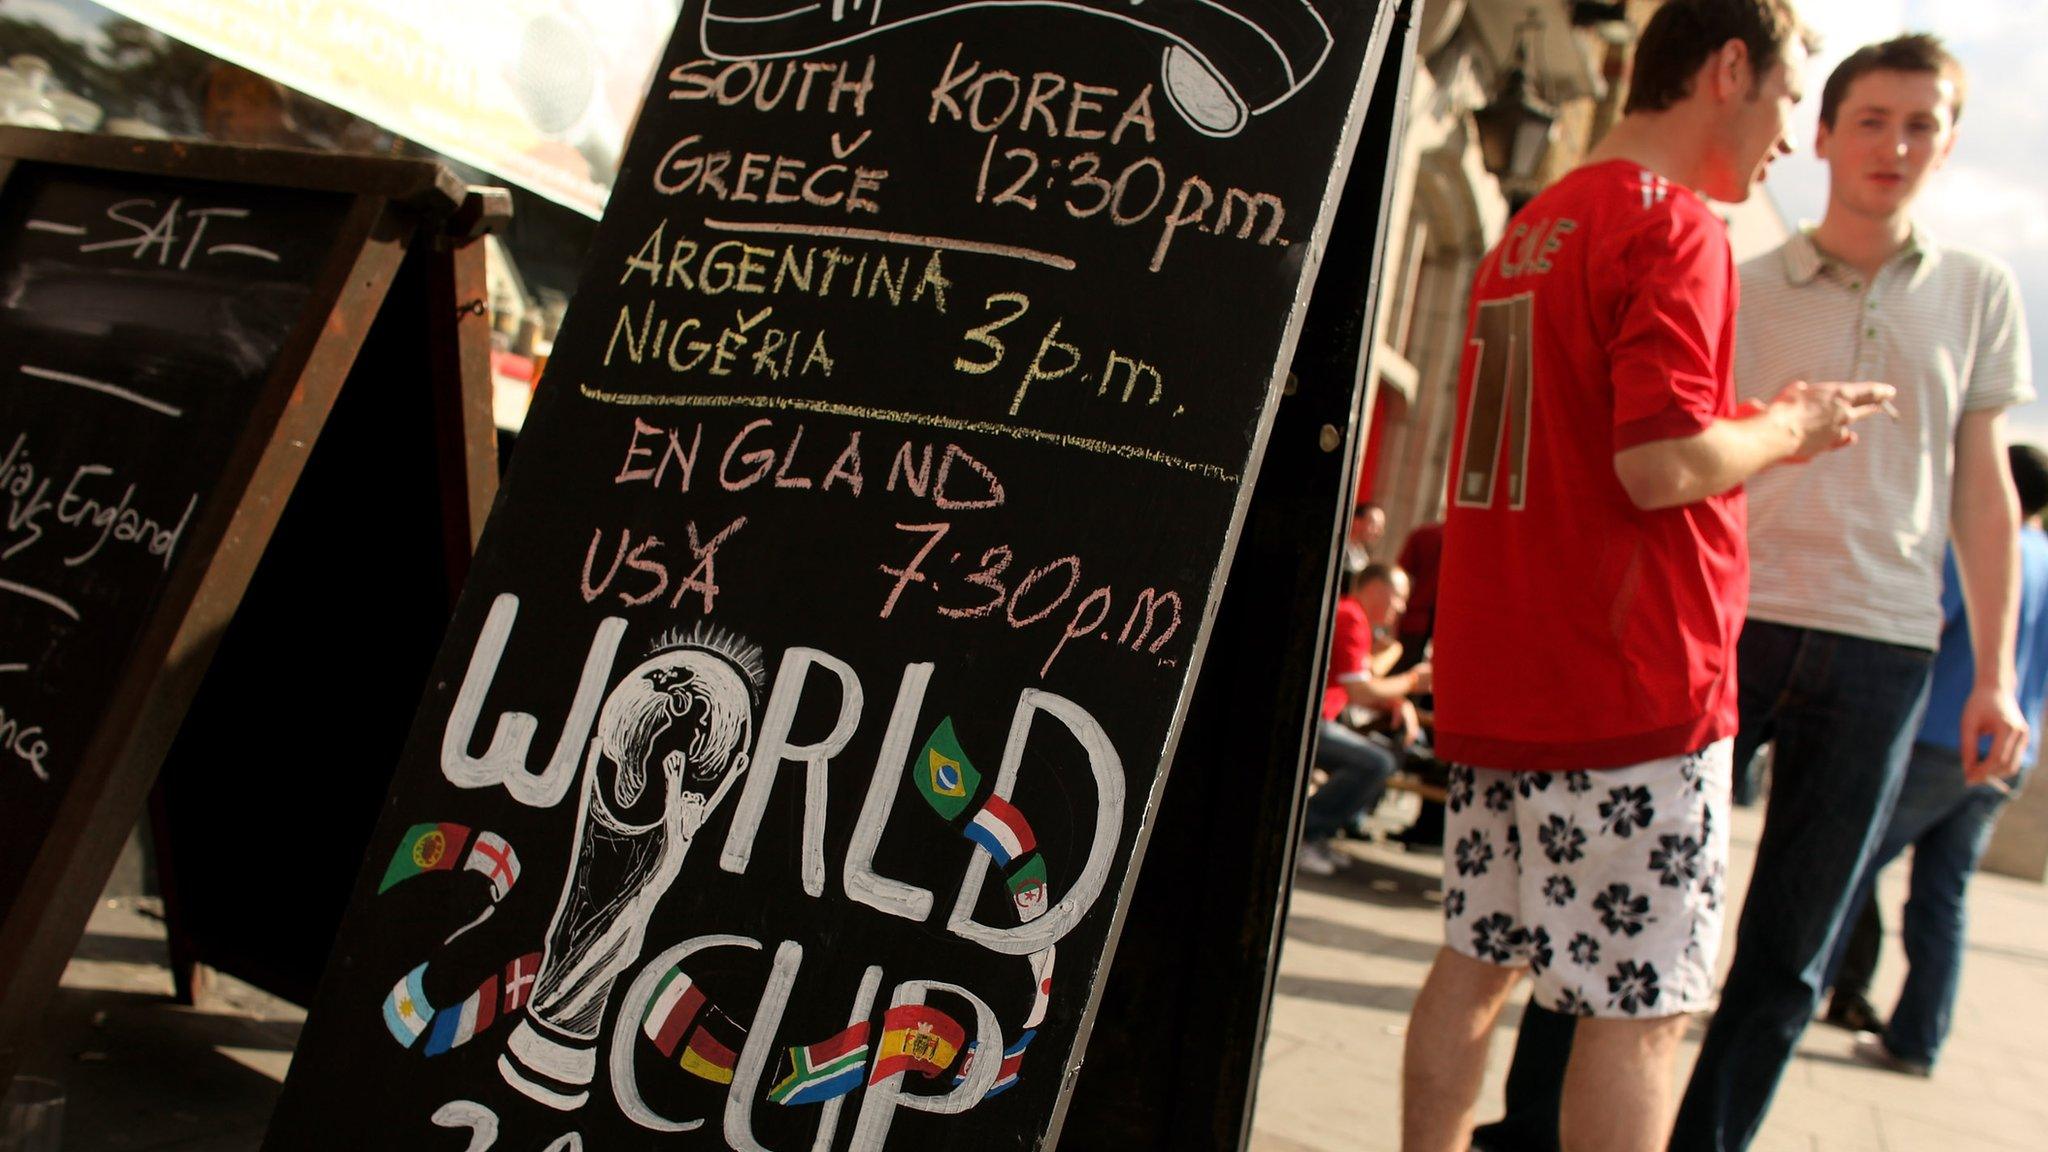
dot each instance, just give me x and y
(454, 1027)
(1001, 830)
(406, 1011)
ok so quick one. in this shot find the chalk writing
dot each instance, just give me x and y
(735, 82)
(649, 559)
(1153, 619)
(1050, 259)
(734, 348)
(25, 743)
(1132, 197)
(734, 266)
(171, 233)
(101, 386)
(84, 506)
(1120, 376)
(760, 453)
(921, 419)
(690, 166)
(1050, 106)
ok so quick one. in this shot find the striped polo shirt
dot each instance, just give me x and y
(1852, 542)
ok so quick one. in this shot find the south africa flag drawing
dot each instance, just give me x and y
(826, 1069)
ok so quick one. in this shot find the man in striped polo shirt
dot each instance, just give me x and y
(1845, 577)
(1846, 554)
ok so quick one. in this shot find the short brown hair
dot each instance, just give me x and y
(1915, 52)
(1683, 33)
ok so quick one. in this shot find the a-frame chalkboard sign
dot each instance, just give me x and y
(784, 778)
(176, 321)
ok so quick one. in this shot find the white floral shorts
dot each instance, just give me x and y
(1607, 885)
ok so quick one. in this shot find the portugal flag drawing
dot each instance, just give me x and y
(916, 1036)
(945, 778)
(825, 1070)
(425, 848)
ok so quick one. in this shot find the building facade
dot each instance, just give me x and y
(1450, 205)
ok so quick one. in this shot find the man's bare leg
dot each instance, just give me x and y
(1448, 1034)
(1617, 1088)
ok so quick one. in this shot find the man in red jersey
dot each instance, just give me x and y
(1593, 586)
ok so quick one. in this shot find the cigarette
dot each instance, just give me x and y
(2000, 784)
(1889, 409)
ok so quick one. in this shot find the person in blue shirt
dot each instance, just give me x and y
(1946, 821)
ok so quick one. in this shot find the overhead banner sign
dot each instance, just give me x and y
(537, 92)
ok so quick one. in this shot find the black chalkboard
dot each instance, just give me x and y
(803, 719)
(175, 321)
(136, 331)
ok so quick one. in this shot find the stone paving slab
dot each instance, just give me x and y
(1359, 943)
(146, 1075)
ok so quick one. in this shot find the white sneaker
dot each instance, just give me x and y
(1316, 858)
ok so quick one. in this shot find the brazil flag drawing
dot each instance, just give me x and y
(945, 777)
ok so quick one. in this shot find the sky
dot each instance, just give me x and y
(1993, 194)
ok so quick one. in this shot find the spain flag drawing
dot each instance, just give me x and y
(916, 1037)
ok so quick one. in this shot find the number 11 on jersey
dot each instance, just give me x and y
(1497, 416)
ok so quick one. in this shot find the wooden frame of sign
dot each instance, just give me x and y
(785, 774)
(179, 320)
(361, 561)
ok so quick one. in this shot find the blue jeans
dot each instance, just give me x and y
(1841, 712)
(1359, 769)
(1947, 824)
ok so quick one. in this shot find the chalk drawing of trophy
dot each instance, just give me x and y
(671, 739)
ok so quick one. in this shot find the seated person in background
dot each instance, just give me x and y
(1368, 528)
(1361, 649)
(1420, 556)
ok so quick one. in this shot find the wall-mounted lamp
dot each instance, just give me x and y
(1609, 20)
(1514, 130)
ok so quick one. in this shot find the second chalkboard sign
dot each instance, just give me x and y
(785, 774)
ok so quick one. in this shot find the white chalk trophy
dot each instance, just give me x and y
(1223, 64)
(672, 738)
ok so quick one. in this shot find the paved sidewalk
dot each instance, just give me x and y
(1359, 943)
(144, 1074)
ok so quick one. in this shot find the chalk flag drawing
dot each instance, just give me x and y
(1223, 64)
(682, 722)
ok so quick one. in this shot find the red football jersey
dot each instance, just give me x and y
(1575, 630)
(1350, 652)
